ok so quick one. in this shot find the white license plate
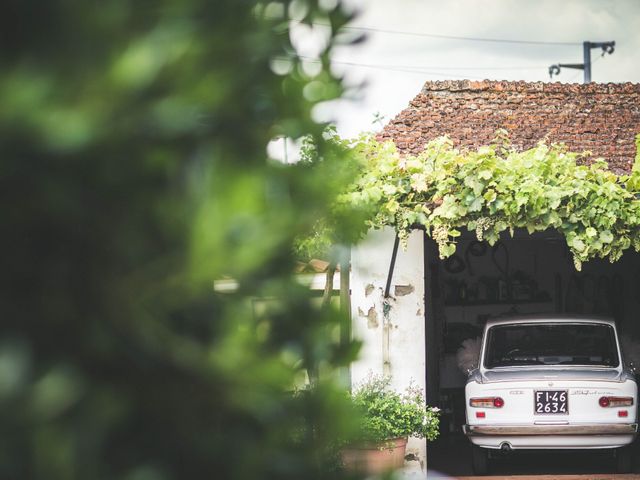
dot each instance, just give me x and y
(550, 402)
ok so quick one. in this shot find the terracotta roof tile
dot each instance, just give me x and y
(601, 118)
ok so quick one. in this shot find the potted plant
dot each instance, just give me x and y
(387, 419)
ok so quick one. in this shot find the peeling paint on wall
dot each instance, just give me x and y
(368, 290)
(372, 318)
(402, 290)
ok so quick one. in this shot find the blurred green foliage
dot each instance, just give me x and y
(133, 175)
(342, 224)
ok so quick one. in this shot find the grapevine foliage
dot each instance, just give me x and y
(636, 164)
(497, 188)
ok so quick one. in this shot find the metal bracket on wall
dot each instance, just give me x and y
(392, 266)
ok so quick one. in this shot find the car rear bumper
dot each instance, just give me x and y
(552, 436)
(528, 430)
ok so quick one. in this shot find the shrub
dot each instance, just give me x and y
(388, 414)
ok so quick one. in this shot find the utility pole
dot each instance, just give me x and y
(607, 47)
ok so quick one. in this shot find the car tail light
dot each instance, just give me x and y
(623, 413)
(615, 402)
(480, 415)
(487, 402)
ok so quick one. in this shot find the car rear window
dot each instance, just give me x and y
(551, 344)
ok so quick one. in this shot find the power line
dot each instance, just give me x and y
(423, 70)
(451, 37)
(407, 70)
(446, 67)
(404, 69)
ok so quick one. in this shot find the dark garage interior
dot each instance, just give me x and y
(523, 274)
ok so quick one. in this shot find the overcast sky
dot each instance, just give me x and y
(399, 64)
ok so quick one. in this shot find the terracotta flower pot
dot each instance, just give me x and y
(376, 458)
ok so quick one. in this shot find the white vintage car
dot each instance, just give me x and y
(551, 382)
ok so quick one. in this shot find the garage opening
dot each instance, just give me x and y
(523, 274)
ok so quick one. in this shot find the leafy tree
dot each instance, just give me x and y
(133, 176)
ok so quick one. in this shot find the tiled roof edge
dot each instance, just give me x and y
(520, 86)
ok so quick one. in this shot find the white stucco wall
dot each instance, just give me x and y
(394, 345)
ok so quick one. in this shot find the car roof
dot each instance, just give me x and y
(550, 318)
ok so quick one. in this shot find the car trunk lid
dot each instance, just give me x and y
(572, 395)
